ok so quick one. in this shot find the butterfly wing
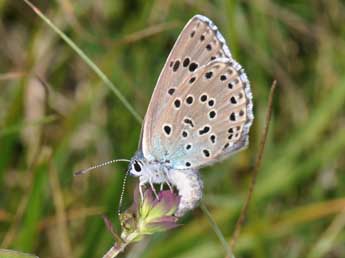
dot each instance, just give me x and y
(198, 43)
(197, 116)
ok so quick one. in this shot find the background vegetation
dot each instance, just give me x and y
(57, 116)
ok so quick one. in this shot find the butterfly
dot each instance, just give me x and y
(200, 112)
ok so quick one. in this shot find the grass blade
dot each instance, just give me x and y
(87, 60)
(217, 230)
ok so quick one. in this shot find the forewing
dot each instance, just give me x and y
(199, 42)
(206, 119)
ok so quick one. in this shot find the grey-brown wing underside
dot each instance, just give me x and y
(199, 47)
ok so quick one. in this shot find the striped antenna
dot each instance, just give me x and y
(84, 171)
(122, 193)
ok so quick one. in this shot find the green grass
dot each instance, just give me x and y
(297, 207)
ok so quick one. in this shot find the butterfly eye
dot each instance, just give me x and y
(136, 168)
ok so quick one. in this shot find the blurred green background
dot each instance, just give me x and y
(57, 116)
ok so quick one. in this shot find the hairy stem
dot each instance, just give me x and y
(115, 250)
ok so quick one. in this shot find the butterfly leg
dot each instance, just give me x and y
(153, 189)
(162, 185)
(168, 183)
(141, 191)
(170, 187)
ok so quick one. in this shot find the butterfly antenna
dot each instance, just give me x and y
(122, 193)
(84, 171)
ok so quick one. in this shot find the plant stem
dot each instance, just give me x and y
(119, 247)
(245, 207)
(115, 250)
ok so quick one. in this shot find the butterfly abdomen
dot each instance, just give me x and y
(189, 186)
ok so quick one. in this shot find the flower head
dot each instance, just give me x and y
(149, 215)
